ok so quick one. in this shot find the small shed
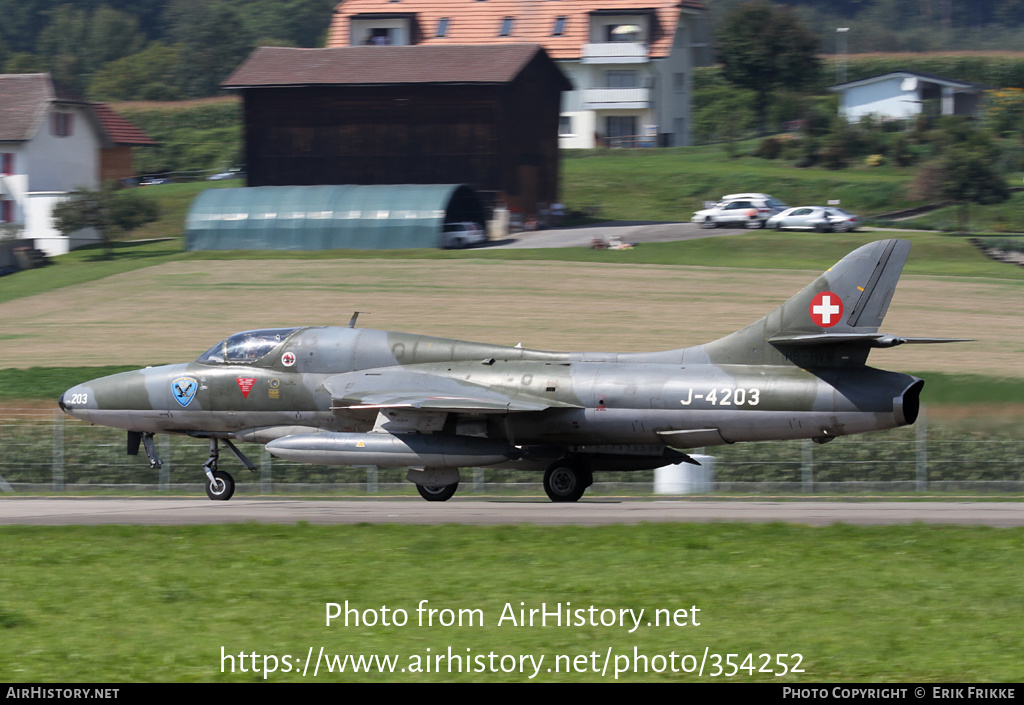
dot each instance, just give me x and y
(907, 94)
(328, 217)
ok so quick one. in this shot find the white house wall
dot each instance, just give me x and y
(39, 215)
(46, 168)
(63, 163)
(884, 98)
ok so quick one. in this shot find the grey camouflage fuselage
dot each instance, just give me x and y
(336, 395)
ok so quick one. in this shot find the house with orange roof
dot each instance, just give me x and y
(53, 141)
(630, 61)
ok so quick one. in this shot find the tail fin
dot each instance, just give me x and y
(833, 322)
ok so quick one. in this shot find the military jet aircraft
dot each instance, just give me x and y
(354, 396)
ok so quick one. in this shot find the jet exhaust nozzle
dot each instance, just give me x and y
(392, 450)
(907, 405)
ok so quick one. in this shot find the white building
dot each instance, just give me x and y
(630, 61)
(53, 141)
(907, 94)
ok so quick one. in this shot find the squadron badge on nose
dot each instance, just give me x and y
(183, 389)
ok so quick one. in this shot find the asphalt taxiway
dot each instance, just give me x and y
(592, 512)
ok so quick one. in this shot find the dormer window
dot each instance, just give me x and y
(623, 33)
(559, 29)
(442, 27)
(506, 27)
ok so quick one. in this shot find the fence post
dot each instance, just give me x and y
(165, 454)
(266, 472)
(478, 479)
(921, 445)
(807, 466)
(58, 451)
(372, 483)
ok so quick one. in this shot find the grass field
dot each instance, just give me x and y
(133, 604)
(143, 604)
(670, 184)
(178, 308)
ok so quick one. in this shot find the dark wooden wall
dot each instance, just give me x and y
(494, 137)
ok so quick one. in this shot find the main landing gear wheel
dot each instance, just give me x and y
(437, 493)
(221, 487)
(564, 483)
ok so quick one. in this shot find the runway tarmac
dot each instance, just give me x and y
(593, 512)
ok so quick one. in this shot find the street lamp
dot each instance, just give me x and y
(841, 33)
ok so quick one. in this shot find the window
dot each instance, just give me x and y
(565, 124)
(621, 125)
(61, 124)
(6, 164)
(559, 29)
(378, 36)
(506, 27)
(622, 79)
(442, 27)
(6, 211)
(622, 33)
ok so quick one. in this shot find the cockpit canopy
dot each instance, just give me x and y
(246, 347)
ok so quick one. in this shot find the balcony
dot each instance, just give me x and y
(615, 53)
(612, 98)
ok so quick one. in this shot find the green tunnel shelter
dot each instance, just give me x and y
(380, 217)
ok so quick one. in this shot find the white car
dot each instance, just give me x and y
(823, 219)
(462, 234)
(751, 210)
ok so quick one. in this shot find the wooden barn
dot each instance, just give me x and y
(486, 116)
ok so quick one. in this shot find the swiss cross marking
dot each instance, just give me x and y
(826, 309)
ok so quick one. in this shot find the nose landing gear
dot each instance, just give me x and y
(219, 483)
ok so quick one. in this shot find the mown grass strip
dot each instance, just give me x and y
(157, 604)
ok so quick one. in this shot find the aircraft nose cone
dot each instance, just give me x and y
(75, 401)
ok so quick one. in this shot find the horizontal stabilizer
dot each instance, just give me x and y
(874, 340)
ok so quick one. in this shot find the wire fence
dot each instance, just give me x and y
(44, 451)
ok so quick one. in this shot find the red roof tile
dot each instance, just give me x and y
(479, 21)
(118, 129)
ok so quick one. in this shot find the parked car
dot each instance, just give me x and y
(824, 219)
(751, 210)
(462, 234)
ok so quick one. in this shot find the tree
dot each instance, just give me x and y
(965, 171)
(765, 48)
(108, 210)
(149, 75)
(968, 176)
(212, 39)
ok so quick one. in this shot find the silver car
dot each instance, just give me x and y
(751, 210)
(820, 218)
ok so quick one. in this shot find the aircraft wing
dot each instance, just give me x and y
(403, 388)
